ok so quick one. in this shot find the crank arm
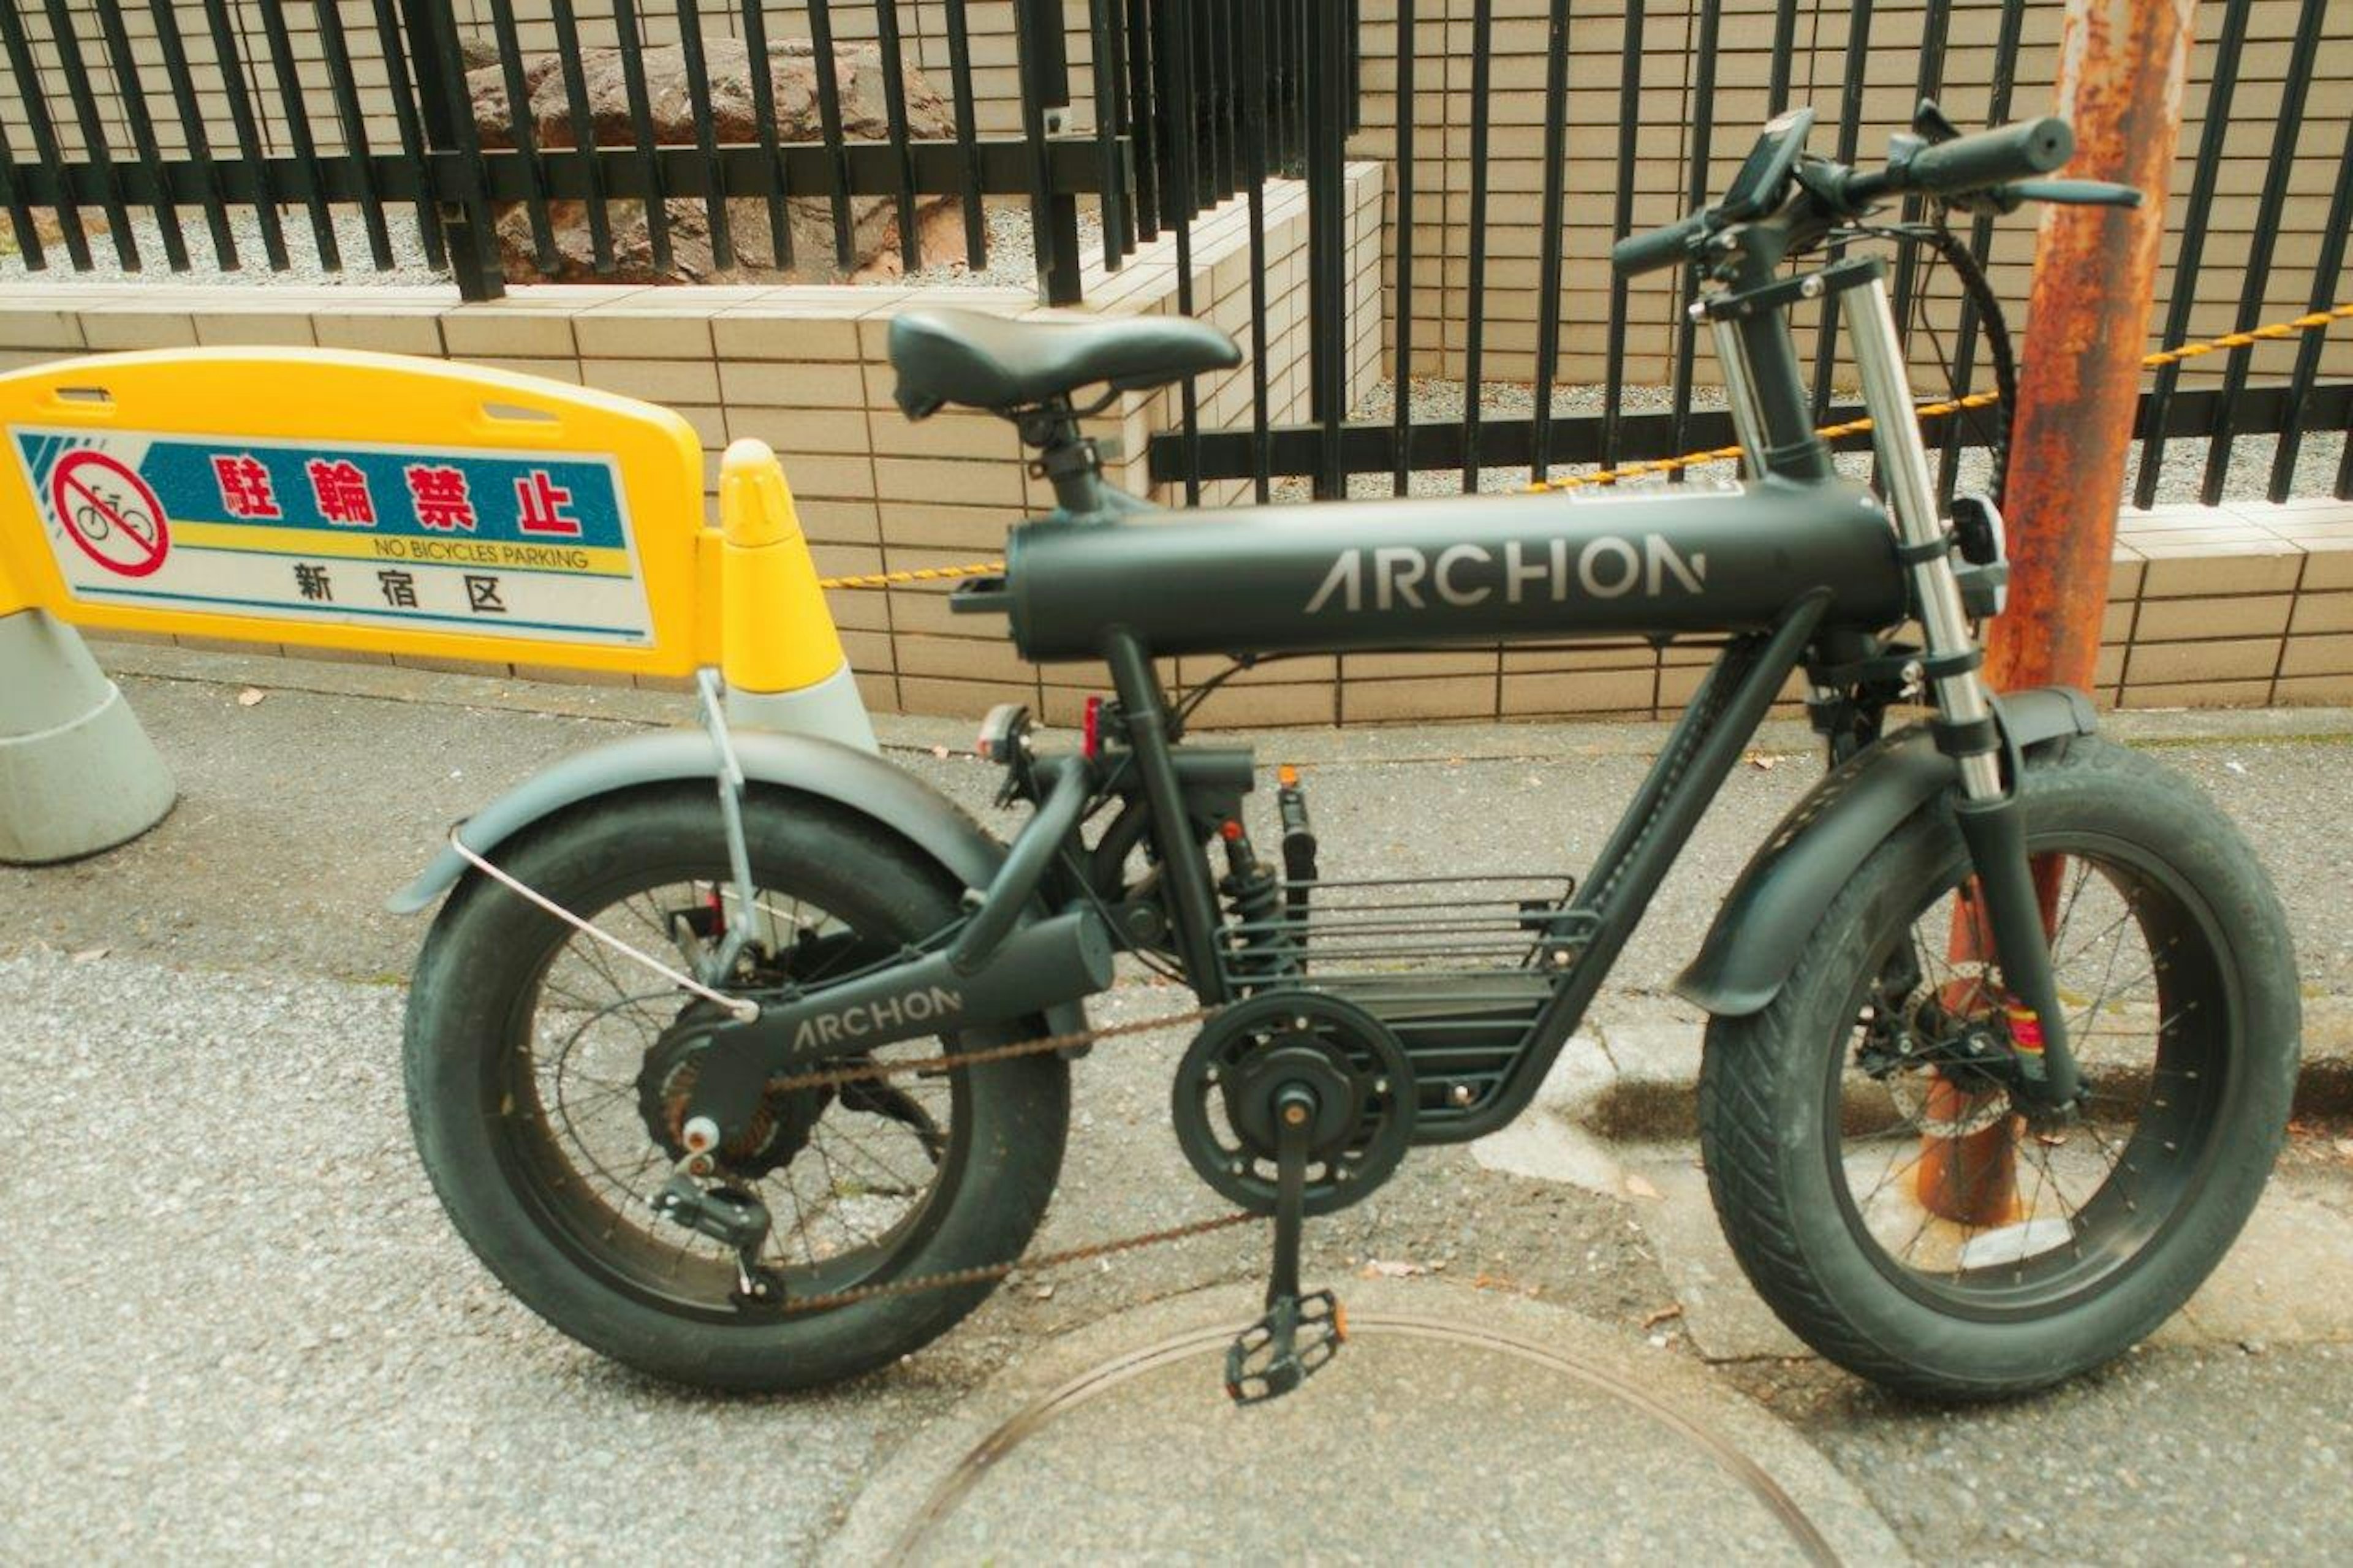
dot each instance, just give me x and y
(1268, 1358)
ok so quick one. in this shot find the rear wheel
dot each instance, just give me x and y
(1860, 1140)
(546, 1086)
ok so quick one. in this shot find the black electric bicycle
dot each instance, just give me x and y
(764, 1092)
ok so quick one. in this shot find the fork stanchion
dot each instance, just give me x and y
(77, 774)
(779, 649)
(2120, 86)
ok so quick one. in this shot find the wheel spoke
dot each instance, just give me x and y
(2082, 1197)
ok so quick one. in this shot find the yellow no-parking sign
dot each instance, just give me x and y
(357, 501)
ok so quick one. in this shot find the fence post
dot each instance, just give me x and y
(2122, 71)
(446, 112)
(1045, 58)
(1329, 44)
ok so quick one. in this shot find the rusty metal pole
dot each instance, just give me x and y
(2124, 65)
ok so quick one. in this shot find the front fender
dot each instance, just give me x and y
(1786, 887)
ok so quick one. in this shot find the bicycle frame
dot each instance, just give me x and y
(1797, 569)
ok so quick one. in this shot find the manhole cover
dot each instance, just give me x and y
(1455, 1423)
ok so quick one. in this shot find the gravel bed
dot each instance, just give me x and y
(304, 267)
(1009, 263)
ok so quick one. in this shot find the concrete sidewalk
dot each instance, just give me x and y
(252, 1323)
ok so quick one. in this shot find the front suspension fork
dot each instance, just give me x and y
(1967, 727)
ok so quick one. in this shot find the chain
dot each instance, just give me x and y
(1037, 1261)
(834, 1078)
(979, 1273)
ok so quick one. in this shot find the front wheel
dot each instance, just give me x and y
(547, 1078)
(1859, 1143)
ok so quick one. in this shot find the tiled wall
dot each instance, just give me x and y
(1669, 61)
(805, 370)
(2238, 604)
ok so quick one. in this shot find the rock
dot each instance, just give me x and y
(792, 74)
(47, 225)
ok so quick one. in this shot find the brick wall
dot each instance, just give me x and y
(2238, 604)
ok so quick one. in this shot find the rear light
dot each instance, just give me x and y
(1091, 728)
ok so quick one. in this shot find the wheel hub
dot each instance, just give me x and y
(776, 1131)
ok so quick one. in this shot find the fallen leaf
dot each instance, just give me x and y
(1641, 1187)
(251, 697)
(1762, 763)
(90, 955)
(1672, 1309)
(1391, 1268)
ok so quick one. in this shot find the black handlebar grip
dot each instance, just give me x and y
(1994, 157)
(1657, 248)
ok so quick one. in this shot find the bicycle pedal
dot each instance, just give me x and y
(1295, 1340)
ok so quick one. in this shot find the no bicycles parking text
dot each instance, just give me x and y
(530, 545)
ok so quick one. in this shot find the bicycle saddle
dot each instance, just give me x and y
(990, 362)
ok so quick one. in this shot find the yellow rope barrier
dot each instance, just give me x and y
(2318, 321)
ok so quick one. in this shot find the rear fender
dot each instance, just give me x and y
(894, 799)
(1788, 885)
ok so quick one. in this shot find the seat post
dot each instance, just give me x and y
(1070, 462)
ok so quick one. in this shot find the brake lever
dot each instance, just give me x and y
(2075, 193)
(2000, 201)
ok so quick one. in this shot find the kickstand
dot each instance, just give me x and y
(1268, 1360)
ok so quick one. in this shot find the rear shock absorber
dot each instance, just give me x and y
(1255, 903)
(1298, 850)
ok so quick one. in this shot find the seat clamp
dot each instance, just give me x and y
(1084, 456)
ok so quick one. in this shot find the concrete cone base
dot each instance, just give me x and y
(832, 710)
(77, 774)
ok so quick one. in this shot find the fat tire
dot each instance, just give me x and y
(472, 971)
(1769, 1156)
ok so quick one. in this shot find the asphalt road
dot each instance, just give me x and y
(238, 1324)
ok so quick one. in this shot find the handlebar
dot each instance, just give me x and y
(1970, 163)
(1656, 247)
(1979, 161)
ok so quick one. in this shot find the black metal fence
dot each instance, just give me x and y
(192, 109)
(1692, 81)
(1521, 137)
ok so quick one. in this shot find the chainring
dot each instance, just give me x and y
(1221, 1102)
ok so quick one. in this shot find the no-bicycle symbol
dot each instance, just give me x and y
(510, 545)
(110, 512)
